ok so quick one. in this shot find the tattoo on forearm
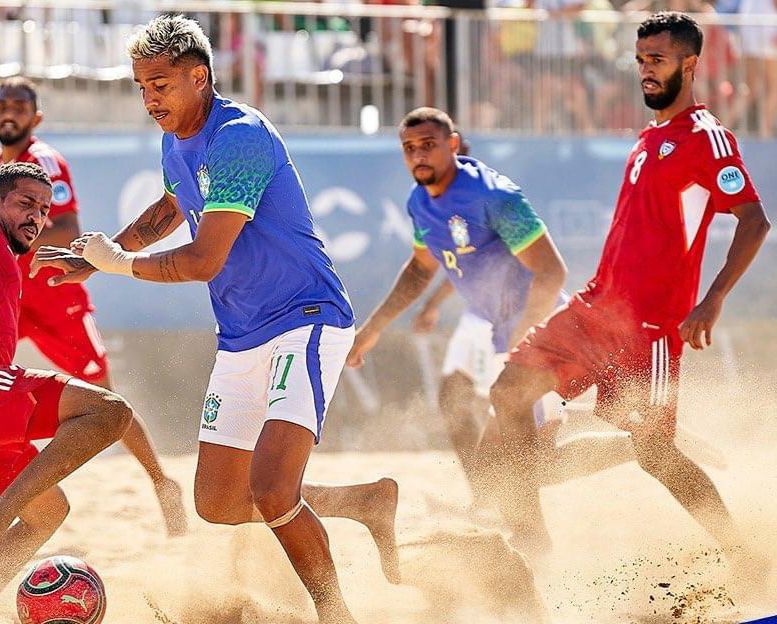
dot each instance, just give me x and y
(168, 271)
(153, 224)
(411, 283)
(78, 263)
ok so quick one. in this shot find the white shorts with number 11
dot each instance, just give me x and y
(291, 378)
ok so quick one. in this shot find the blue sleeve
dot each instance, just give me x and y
(169, 188)
(418, 233)
(240, 165)
(514, 220)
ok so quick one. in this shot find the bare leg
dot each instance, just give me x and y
(38, 521)
(138, 442)
(91, 419)
(222, 495)
(517, 475)
(457, 404)
(658, 455)
(586, 454)
(278, 464)
(372, 504)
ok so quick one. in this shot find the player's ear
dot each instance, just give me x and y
(37, 119)
(200, 76)
(689, 64)
(454, 140)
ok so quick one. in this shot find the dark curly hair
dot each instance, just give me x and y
(682, 29)
(11, 172)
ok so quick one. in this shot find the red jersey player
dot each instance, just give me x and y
(59, 320)
(625, 331)
(80, 418)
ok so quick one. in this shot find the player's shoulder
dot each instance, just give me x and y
(486, 181)
(8, 264)
(709, 137)
(237, 122)
(49, 159)
(417, 196)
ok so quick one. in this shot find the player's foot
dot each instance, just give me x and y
(380, 519)
(170, 498)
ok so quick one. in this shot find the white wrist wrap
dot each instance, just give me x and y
(107, 256)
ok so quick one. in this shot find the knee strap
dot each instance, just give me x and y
(288, 516)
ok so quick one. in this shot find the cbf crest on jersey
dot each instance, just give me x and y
(667, 147)
(460, 234)
(203, 181)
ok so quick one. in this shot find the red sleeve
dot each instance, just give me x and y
(721, 170)
(8, 320)
(9, 305)
(63, 197)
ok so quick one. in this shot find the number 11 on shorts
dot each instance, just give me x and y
(281, 385)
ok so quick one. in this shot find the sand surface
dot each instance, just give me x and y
(617, 536)
(624, 550)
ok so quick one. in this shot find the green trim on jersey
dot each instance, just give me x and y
(529, 240)
(516, 223)
(418, 238)
(228, 207)
(168, 187)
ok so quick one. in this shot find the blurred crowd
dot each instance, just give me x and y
(566, 72)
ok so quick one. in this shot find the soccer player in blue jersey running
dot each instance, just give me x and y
(497, 252)
(285, 324)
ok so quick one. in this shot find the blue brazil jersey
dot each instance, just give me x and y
(474, 229)
(277, 276)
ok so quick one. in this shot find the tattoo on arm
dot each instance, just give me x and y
(78, 263)
(168, 270)
(153, 224)
(411, 283)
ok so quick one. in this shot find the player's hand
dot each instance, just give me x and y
(80, 243)
(103, 253)
(365, 341)
(426, 320)
(696, 330)
(75, 269)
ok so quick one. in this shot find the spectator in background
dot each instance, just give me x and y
(231, 58)
(558, 69)
(759, 48)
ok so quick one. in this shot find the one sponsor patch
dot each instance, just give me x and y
(61, 193)
(731, 180)
(667, 147)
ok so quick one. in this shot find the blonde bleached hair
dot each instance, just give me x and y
(175, 36)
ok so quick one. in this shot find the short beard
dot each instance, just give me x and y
(432, 179)
(672, 88)
(18, 247)
(13, 139)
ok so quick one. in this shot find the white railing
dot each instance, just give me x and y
(353, 65)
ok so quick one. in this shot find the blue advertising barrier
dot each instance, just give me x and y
(357, 187)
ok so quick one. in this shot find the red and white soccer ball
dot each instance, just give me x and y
(61, 590)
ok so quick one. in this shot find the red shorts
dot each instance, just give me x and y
(68, 337)
(29, 410)
(635, 365)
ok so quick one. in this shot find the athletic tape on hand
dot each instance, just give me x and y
(108, 256)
